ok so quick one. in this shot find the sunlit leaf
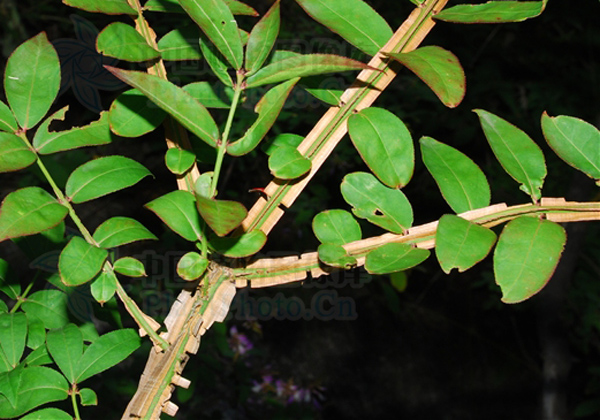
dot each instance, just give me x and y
(7, 119)
(118, 231)
(394, 257)
(262, 38)
(180, 44)
(336, 227)
(109, 7)
(239, 246)
(493, 12)
(211, 96)
(132, 114)
(221, 215)
(120, 40)
(14, 153)
(177, 210)
(129, 266)
(335, 255)
(104, 286)
(287, 162)
(79, 262)
(66, 347)
(191, 266)
(13, 331)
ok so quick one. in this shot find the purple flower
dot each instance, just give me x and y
(239, 343)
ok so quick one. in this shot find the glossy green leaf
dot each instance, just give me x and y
(94, 134)
(29, 211)
(32, 80)
(103, 176)
(66, 347)
(239, 246)
(132, 114)
(191, 266)
(268, 109)
(14, 153)
(172, 6)
(13, 332)
(49, 306)
(211, 96)
(7, 119)
(177, 102)
(107, 351)
(180, 44)
(385, 145)
(380, 205)
(262, 38)
(493, 12)
(463, 185)
(109, 7)
(439, 69)
(335, 255)
(461, 244)
(221, 215)
(336, 227)
(217, 22)
(79, 262)
(216, 61)
(9, 282)
(179, 161)
(394, 257)
(526, 256)
(103, 288)
(331, 97)
(88, 397)
(177, 210)
(287, 162)
(118, 231)
(353, 20)
(120, 40)
(282, 140)
(48, 414)
(575, 141)
(301, 66)
(129, 266)
(518, 154)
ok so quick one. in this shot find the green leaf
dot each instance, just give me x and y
(335, 256)
(32, 80)
(221, 215)
(526, 256)
(14, 153)
(203, 184)
(268, 109)
(575, 141)
(191, 266)
(39, 356)
(301, 66)
(94, 134)
(439, 69)
(172, 6)
(461, 244)
(48, 414)
(7, 119)
(29, 211)
(177, 210)
(130, 266)
(174, 100)
(103, 176)
(49, 306)
(353, 20)
(13, 332)
(133, 115)
(108, 7)
(36, 334)
(9, 283)
(287, 162)
(179, 161)
(107, 351)
(88, 397)
(262, 38)
(240, 246)
(282, 140)
(385, 145)
(399, 281)
(211, 96)
(336, 227)
(331, 97)
(518, 154)
(493, 12)
(180, 44)
(103, 288)
(217, 22)
(394, 257)
(215, 60)
(463, 185)
(79, 262)
(122, 41)
(239, 8)
(66, 347)
(380, 205)
(118, 231)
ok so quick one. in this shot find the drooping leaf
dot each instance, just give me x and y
(48, 414)
(353, 20)
(79, 262)
(215, 60)
(385, 145)
(7, 119)
(518, 154)
(526, 256)
(493, 12)
(221, 215)
(32, 80)
(461, 244)
(14, 153)
(331, 97)
(9, 282)
(191, 266)
(172, 6)
(120, 40)
(66, 347)
(179, 161)
(287, 162)
(49, 306)
(463, 185)
(177, 210)
(301, 66)
(129, 266)
(108, 7)
(335, 255)
(118, 231)
(94, 134)
(217, 22)
(88, 397)
(13, 331)
(262, 38)
(180, 44)
(29, 211)
(380, 205)
(132, 114)
(439, 69)
(104, 286)
(268, 109)
(239, 246)
(282, 140)
(174, 100)
(211, 96)
(394, 257)
(575, 141)
(336, 227)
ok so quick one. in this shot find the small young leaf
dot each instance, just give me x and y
(380, 205)
(331, 97)
(49, 306)
(287, 162)
(79, 262)
(103, 176)
(13, 331)
(215, 60)
(66, 347)
(179, 161)
(461, 244)
(9, 282)
(262, 38)
(132, 114)
(177, 210)
(282, 140)
(48, 414)
(463, 185)
(239, 246)
(129, 266)
(32, 80)
(180, 44)
(394, 257)
(335, 256)
(118, 231)
(203, 184)
(526, 256)
(440, 70)
(191, 266)
(385, 145)
(88, 397)
(211, 96)
(108, 7)
(575, 141)
(104, 287)
(518, 154)
(221, 215)
(7, 119)
(353, 20)
(29, 211)
(14, 153)
(493, 12)
(120, 40)
(336, 227)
